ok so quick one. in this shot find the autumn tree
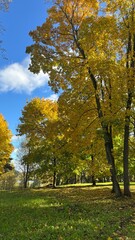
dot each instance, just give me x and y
(80, 123)
(124, 12)
(78, 46)
(6, 147)
(129, 23)
(59, 147)
(39, 124)
(48, 146)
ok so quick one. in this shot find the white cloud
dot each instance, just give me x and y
(16, 138)
(15, 151)
(16, 77)
(53, 97)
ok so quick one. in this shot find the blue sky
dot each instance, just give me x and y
(17, 84)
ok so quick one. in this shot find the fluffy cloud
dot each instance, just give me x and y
(53, 97)
(17, 139)
(16, 77)
(14, 153)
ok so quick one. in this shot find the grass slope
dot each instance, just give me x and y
(72, 213)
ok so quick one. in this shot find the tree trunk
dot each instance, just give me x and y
(110, 158)
(93, 176)
(107, 138)
(81, 178)
(125, 162)
(54, 179)
(75, 179)
(58, 179)
(54, 173)
(93, 181)
(26, 176)
(126, 147)
(108, 144)
(130, 85)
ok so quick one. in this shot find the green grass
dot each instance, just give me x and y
(69, 213)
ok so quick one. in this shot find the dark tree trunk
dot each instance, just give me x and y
(130, 85)
(58, 179)
(75, 179)
(93, 181)
(54, 173)
(125, 162)
(93, 176)
(108, 144)
(81, 178)
(26, 176)
(110, 158)
(107, 139)
(54, 179)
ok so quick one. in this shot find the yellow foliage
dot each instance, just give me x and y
(87, 48)
(5, 142)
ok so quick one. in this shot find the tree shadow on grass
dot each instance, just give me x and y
(68, 221)
(68, 214)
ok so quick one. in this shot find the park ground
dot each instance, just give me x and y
(66, 213)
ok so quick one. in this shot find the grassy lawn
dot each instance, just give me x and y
(69, 213)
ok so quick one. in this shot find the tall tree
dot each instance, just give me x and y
(78, 46)
(130, 65)
(124, 12)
